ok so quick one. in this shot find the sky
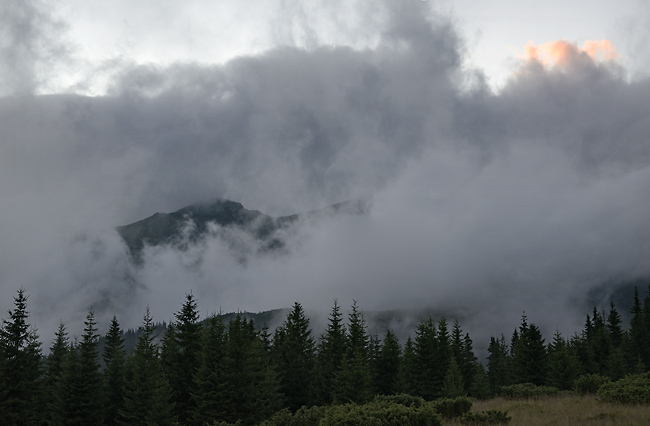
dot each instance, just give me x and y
(503, 147)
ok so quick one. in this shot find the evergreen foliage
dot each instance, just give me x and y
(530, 357)
(65, 410)
(527, 390)
(250, 384)
(183, 359)
(91, 396)
(80, 398)
(590, 383)
(388, 365)
(633, 389)
(144, 389)
(294, 357)
(432, 353)
(354, 380)
(331, 351)
(453, 381)
(210, 395)
(114, 359)
(451, 408)
(20, 367)
(480, 389)
(562, 364)
(408, 372)
(54, 368)
(498, 364)
(241, 376)
(463, 353)
(381, 412)
(490, 417)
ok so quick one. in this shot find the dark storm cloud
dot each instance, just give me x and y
(483, 203)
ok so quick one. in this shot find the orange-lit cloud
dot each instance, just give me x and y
(563, 52)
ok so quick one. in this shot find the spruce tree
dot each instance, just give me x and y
(91, 397)
(80, 398)
(65, 410)
(357, 337)
(162, 409)
(184, 361)
(530, 357)
(600, 343)
(443, 355)
(645, 342)
(426, 356)
(20, 373)
(433, 355)
(209, 397)
(374, 348)
(582, 350)
(463, 352)
(562, 364)
(267, 338)
(614, 326)
(330, 356)
(388, 365)
(481, 384)
(114, 359)
(169, 351)
(54, 366)
(513, 343)
(294, 357)
(640, 341)
(409, 371)
(354, 381)
(250, 385)
(453, 386)
(498, 373)
(144, 382)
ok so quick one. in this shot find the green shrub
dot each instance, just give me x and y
(590, 383)
(451, 408)
(527, 390)
(306, 416)
(383, 411)
(402, 399)
(380, 414)
(490, 417)
(633, 389)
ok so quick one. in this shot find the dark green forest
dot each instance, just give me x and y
(204, 371)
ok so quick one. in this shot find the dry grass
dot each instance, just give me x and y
(565, 410)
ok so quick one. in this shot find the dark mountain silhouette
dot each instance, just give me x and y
(192, 223)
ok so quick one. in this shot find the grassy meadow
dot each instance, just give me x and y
(568, 409)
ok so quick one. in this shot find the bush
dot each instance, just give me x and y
(633, 389)
(402, 399)
(303, 417)
(590, 383)
(382, 411)
(527, 390)
(451, 408)
(490, 417)
(380, 414)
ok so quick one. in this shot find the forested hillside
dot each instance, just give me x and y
(211, 370)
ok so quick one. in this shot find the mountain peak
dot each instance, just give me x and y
(172, 228)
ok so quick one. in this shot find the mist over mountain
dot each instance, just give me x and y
(533, 196)
(191, 225)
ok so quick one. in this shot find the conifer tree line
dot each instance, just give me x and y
(207, 371)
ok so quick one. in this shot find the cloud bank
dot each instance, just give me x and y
(483, 203)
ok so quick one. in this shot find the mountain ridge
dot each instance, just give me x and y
(192, 222)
